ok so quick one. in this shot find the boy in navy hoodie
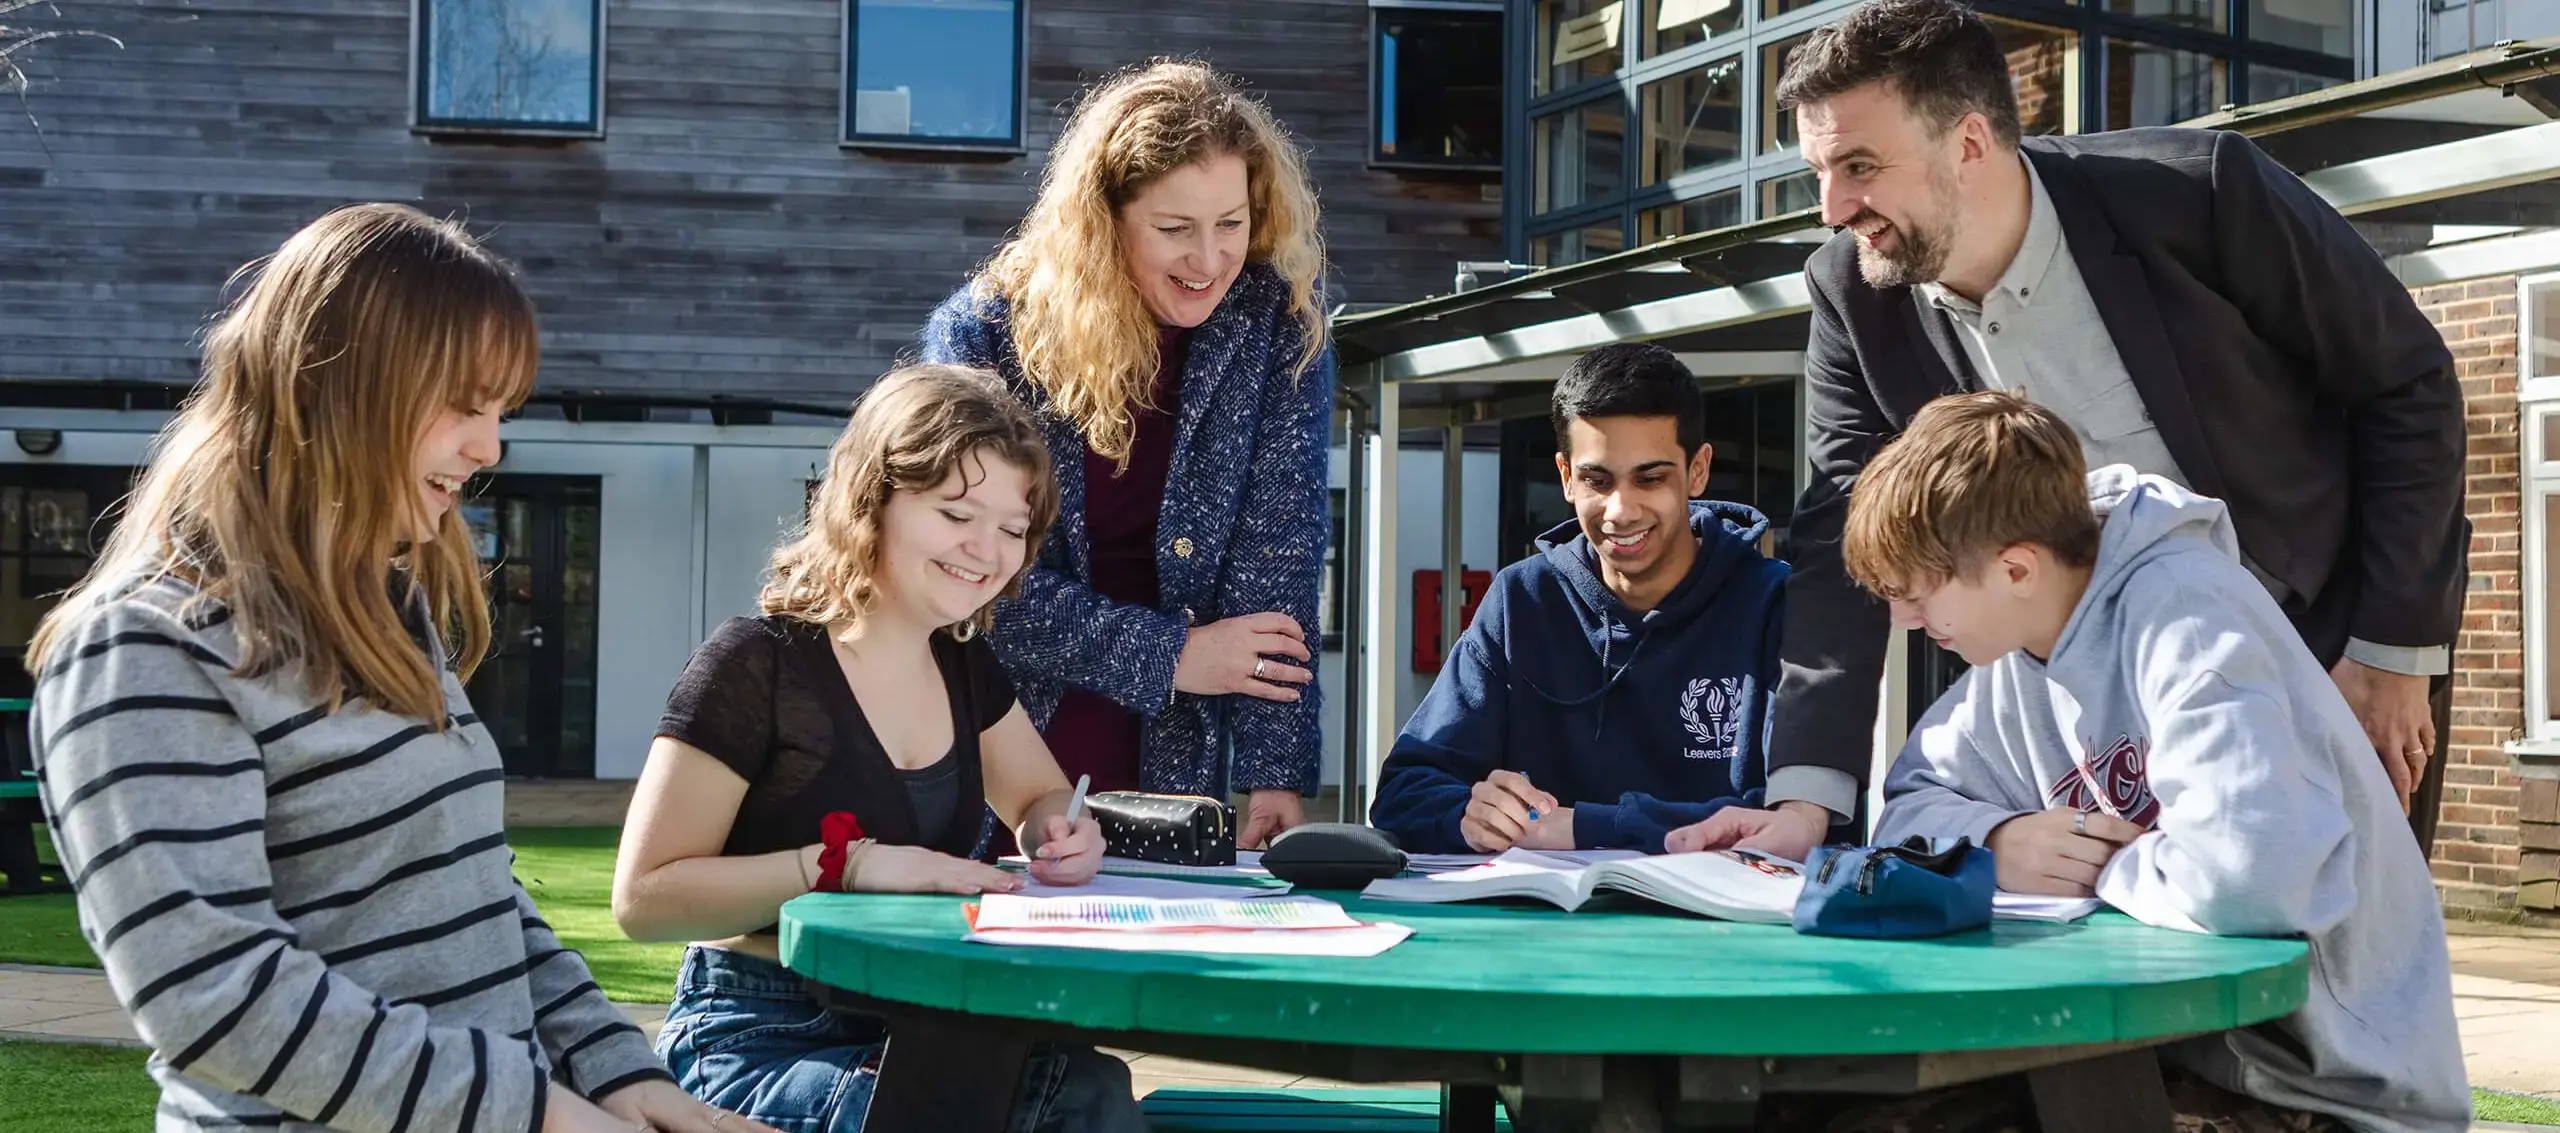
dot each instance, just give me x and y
(1616, 685)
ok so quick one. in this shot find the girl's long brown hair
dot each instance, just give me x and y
(911, 431)
(1078, 325)
(285, 489)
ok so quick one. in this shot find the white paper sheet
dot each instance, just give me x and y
(2028, 907)
(1351, 943)
(1140, 914)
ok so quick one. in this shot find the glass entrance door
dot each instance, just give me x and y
(537, 539)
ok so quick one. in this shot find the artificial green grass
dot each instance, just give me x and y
(43, 929)
(568, 871)
(57, 1088)
(2513, 1109)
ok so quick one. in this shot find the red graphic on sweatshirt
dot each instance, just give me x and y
(2116, 781)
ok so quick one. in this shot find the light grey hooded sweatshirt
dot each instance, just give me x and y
(2180, 698)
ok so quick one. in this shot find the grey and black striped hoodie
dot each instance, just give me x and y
(309, 915)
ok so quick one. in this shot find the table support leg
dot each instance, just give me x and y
(2117, 1093)
(1714, 1093)
(940, 1075)
(1467, 1109)
(1588, 1094)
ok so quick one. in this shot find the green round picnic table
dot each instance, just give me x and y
(1520, 981)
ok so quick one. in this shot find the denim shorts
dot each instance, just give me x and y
(743, 1034)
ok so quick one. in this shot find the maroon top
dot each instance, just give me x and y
(1090, 734)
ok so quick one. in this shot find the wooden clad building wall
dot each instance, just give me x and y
(716, 240)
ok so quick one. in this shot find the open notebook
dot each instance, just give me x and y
(1733, 885)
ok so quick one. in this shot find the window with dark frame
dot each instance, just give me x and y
(510, 66)
(2079, 65)
(938, 74)
(1437, 74)
(53, 520)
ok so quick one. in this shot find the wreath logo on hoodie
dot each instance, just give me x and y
(1711, 710)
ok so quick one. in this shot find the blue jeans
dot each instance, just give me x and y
(743, 1035)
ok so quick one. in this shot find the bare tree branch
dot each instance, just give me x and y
(18, 42)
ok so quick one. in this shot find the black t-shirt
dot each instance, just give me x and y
(765, 696)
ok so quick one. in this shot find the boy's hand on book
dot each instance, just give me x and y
(1502, 811)
(1790, 831)
(2057, 852)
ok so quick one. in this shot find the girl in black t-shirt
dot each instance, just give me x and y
(863, 690)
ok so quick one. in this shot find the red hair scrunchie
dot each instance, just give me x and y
(834, 831)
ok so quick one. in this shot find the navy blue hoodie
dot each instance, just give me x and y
(1640, 724)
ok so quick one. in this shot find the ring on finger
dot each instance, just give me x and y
(1258, 664)
(2080, 822)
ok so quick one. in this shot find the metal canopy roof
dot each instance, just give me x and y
(2467, 142)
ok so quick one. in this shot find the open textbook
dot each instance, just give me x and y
(1733, 885)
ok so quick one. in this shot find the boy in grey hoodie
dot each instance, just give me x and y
(2142, 724)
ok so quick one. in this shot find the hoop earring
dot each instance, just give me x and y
(964, 631)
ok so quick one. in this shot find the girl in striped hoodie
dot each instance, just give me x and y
(283, 820)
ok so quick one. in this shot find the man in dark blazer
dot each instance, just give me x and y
(2187, 304)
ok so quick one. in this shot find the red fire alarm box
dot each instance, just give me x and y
(1426, 612)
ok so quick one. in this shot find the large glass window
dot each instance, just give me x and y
(2540, 349)
(1670, 25)
(1691, 121)
(2267, 84)
(934, 72)
(1574, 245)
(2455, 27)
(2325, 26)
(53, 518)
(1690, 217)
(1439, 87)
(1782, 195)
(1755, 432)
(2538, 385)
(1777, 127)
(1578, 41)
(1576, 155)
(530, 66)
(2044, 63)
(2160, 86)
(2203, 15)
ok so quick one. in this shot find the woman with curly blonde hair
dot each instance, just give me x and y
(850, 739)
(1161, 310)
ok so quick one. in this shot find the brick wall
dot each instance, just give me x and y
(2039, 62)
(2477, 857)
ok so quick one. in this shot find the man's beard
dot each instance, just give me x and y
(1920, 248)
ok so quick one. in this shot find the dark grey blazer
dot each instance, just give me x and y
(2288, 372)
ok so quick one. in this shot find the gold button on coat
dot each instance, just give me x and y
(1182, 547)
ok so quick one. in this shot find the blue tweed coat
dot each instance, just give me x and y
(1242, 531)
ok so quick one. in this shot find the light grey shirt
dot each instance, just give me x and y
(308, 913)
(2037, 333)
